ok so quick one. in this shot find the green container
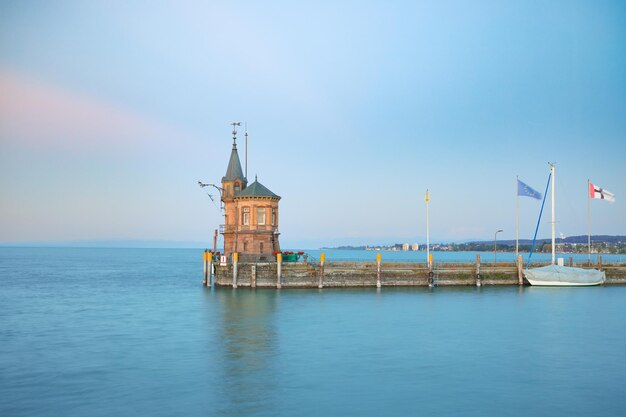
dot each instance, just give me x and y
(292, 257)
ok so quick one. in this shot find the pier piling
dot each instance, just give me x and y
(235, 262)
(378, 256)
(210, 272)
(204, 275)
(431, 274)
(478, 279)
(279, 268)
(322, 259)
(520, 276)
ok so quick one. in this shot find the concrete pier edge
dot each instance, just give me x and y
(338, 274)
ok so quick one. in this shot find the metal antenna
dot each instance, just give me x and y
(246, 151)
(235, 124)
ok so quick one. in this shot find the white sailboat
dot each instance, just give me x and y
(559, 275)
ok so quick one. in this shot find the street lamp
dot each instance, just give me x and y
(219, 189)
(495, 240)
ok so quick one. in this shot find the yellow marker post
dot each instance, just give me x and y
(209, 263)
(378, 258)
(322, 259)
(279, 269)
(204, 276)
(235, 261)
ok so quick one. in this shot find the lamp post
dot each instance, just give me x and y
(219, 189)
(495, 240)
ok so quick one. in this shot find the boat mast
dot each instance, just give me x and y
(553, 222)
(427, 200)
(588, 223)
(516, 217)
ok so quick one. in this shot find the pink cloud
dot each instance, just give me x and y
(36, 114)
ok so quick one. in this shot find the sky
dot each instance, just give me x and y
(111, 111)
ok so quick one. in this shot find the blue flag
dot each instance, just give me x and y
(524, 190)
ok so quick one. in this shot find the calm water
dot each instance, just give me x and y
(131, 332)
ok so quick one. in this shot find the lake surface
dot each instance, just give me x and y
(132, 332)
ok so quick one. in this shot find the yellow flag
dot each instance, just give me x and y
(427, 197)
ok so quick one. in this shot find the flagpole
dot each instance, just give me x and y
(553, 211)
(516, 217)
(588, 222)
(427, 230)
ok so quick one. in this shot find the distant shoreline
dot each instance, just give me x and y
(467, 250)
(600, 244)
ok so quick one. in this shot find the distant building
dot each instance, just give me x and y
(415, 247)
(405, 246)
(251, 214)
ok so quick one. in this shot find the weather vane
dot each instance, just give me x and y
(235, 124)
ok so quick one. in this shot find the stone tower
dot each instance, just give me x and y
(251, 214)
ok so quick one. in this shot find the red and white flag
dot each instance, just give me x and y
(597, 192)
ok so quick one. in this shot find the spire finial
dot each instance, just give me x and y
(254, 177)
(235, 124)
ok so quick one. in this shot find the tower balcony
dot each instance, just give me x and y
(231, 228)
(227, 228)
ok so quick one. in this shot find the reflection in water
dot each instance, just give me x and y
(247, 348)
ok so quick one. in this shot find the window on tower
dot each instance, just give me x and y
(245, 216)
(260, 216)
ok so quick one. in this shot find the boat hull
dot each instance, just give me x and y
(564, 276)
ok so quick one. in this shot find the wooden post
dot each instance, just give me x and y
(520, 275)
(378, 256)
(600, 262)
(235, 261)
(279, 267)
(204, 275)
(478, 279)
(571, 261)
(253, 276)
(322, 259)
(215, 241)
(210, 280)
(431, 275)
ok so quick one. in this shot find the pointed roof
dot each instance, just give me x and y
(256, 189)
(234, 170)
